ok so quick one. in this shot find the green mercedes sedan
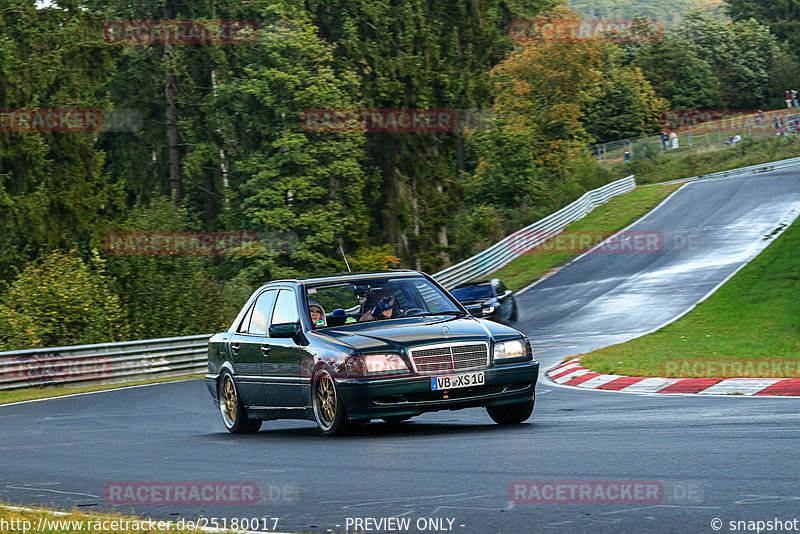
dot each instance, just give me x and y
(344, 350)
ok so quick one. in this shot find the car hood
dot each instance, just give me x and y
(398, 334)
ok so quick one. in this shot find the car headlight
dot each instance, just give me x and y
(512, 350)
(371, 365)
(488, 309)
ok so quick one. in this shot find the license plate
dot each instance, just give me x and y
(464, 380)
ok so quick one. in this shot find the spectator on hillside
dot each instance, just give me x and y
(760, 119)
(673, 137)
(788, 98)
(628, 157)
(733, 139)
(794, 98)
(664, 140)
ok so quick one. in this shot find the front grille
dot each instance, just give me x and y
(447, 357)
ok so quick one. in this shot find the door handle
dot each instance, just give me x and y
(265, 350)
(235, 348)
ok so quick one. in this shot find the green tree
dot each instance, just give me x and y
(52, 189)
(741, 56)
(145, 161)
(539, 88)
(507, 174)
(302, 191)
(668, 14)
(419, 54)
(678, 74)
(782, 16)
(170, 295)
(622, 104)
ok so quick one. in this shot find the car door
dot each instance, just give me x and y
(247, 349)
(282, 380)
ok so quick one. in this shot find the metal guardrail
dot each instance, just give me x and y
(521, 241)
(103, 363)
(763, 167)
(155, 358)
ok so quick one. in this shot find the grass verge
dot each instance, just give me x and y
(744, 154)
(46, 392)
(604, 221)
(753, 318)
(18, 519)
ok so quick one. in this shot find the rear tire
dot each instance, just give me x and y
(511, 414)
(233, 413)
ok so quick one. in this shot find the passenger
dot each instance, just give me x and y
(317, 314)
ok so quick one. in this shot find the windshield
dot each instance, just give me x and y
(473, 292)
(363, 300)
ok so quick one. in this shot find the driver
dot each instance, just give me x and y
(382, 307)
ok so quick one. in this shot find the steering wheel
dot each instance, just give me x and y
(412, 311)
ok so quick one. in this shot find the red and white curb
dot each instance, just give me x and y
(572, 374)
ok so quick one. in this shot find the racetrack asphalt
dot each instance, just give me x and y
(731, 458)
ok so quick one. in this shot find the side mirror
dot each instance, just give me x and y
(284, 330)
(475, 310)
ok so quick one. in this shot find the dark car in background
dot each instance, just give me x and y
(495, 299)
(387, 345)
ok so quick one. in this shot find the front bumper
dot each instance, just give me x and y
(374, 399)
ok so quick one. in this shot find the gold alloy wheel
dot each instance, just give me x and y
(229, 397)
(326, 397)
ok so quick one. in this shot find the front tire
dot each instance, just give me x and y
(329, 412)
(511, 414)
(233, 413)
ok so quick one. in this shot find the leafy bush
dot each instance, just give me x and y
(62, 300)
